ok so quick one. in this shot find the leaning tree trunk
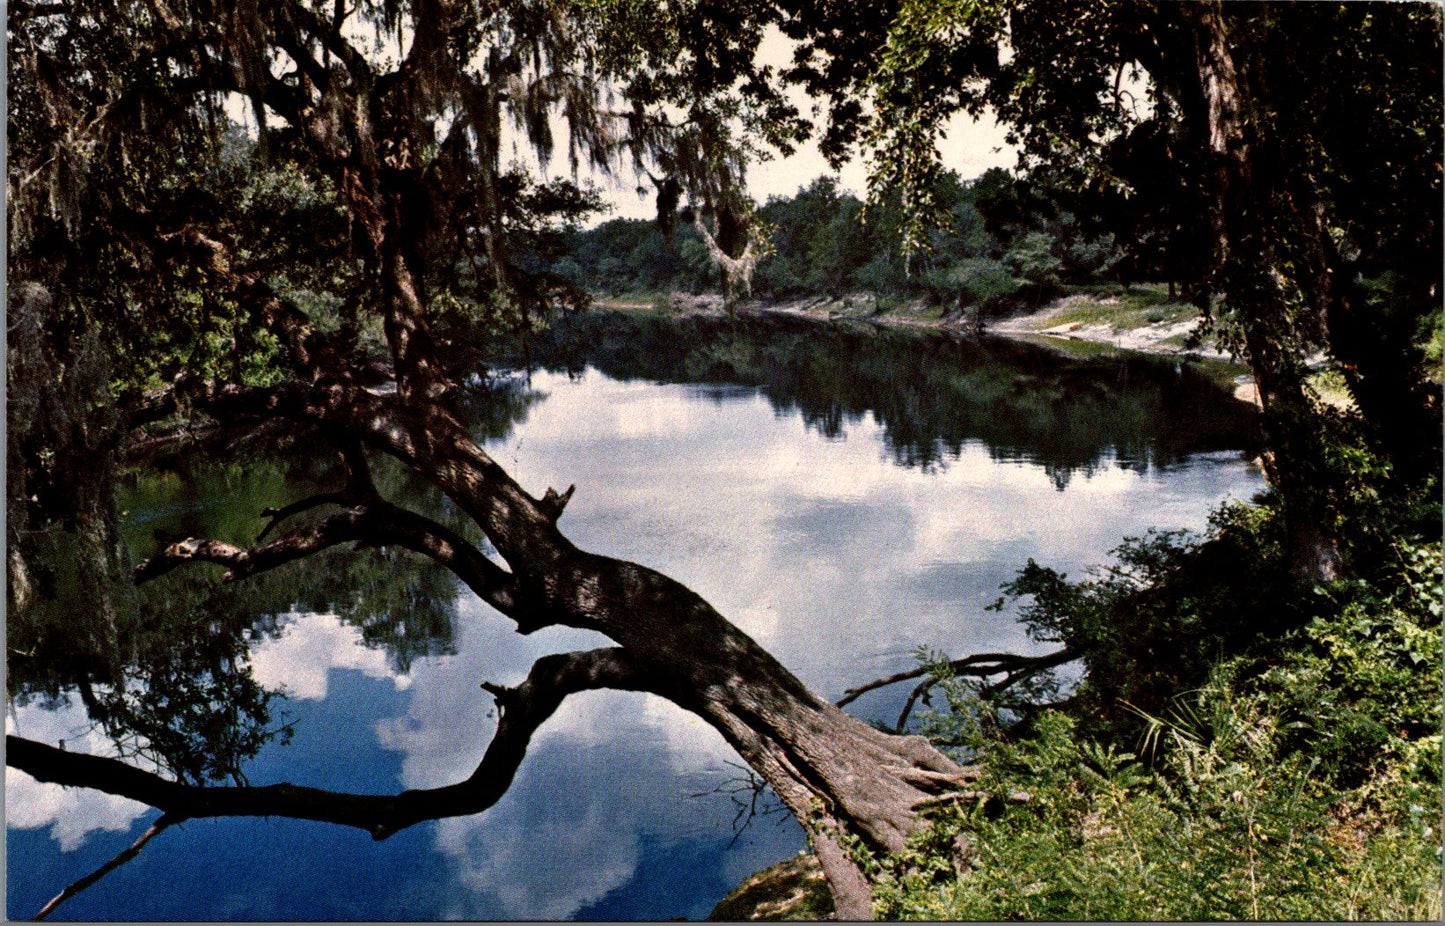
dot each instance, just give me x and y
(1242, 188)
(841, 778)
(849, 785)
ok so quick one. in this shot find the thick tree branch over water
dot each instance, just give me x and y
(375, 524)
(835, 773)
(364, 131)
(116, 136)
(522, 709)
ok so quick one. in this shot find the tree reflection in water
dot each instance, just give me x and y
(167, 677)
(931, 393)
(162, 668)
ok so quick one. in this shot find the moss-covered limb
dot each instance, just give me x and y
(793, 889)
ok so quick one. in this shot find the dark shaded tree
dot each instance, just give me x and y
(1304, 141)
(118, 138)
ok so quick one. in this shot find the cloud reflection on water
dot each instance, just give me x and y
(838, 560)
(72, 814)
(312, 645)
(608, 769)
(799, 537)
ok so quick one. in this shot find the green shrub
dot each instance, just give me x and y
(1361, 685)
(1222, 826)
(1218, 761)
(1170, 606)
(1032, 259)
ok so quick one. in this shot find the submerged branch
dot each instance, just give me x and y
(156, 828)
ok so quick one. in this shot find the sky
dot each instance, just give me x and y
(970, 146)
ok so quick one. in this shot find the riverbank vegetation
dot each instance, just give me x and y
(1004, 244)
(1232, 752)
(1235, 747)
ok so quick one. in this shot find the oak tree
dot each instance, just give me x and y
(1290, 159)
(387, 121)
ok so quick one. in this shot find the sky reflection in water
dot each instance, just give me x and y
(838, 560)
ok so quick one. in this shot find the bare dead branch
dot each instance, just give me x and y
(165, 821)
(750, 798)
(278, 515)
(360, 490)
(918, 691)
(1024, 667)
(979, 665)
(1013, 678)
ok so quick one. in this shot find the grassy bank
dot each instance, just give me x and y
(1090, 323)
(1299, 780)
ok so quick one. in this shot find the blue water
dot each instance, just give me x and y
(816, 541)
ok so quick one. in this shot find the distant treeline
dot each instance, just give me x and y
(1007, 244)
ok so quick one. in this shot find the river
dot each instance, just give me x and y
(849, 497)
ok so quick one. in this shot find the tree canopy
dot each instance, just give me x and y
(380, 126)
(1300, 204)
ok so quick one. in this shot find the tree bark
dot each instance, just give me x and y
(1243, 185)
(850, 786)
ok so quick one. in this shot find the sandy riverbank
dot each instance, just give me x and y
(1053, 325)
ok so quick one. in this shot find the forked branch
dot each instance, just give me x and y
(527, 706)
(377, 524)
(737, 271)
(359, 488)
(979, 665)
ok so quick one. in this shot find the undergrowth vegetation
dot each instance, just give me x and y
(1239, 747)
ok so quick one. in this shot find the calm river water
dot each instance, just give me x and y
(846, 497)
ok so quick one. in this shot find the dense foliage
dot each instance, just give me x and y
(1296, 226)
(1256, 731)
(1224, 756)
(191, 184)
(1259, 714)
(1005, 243)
